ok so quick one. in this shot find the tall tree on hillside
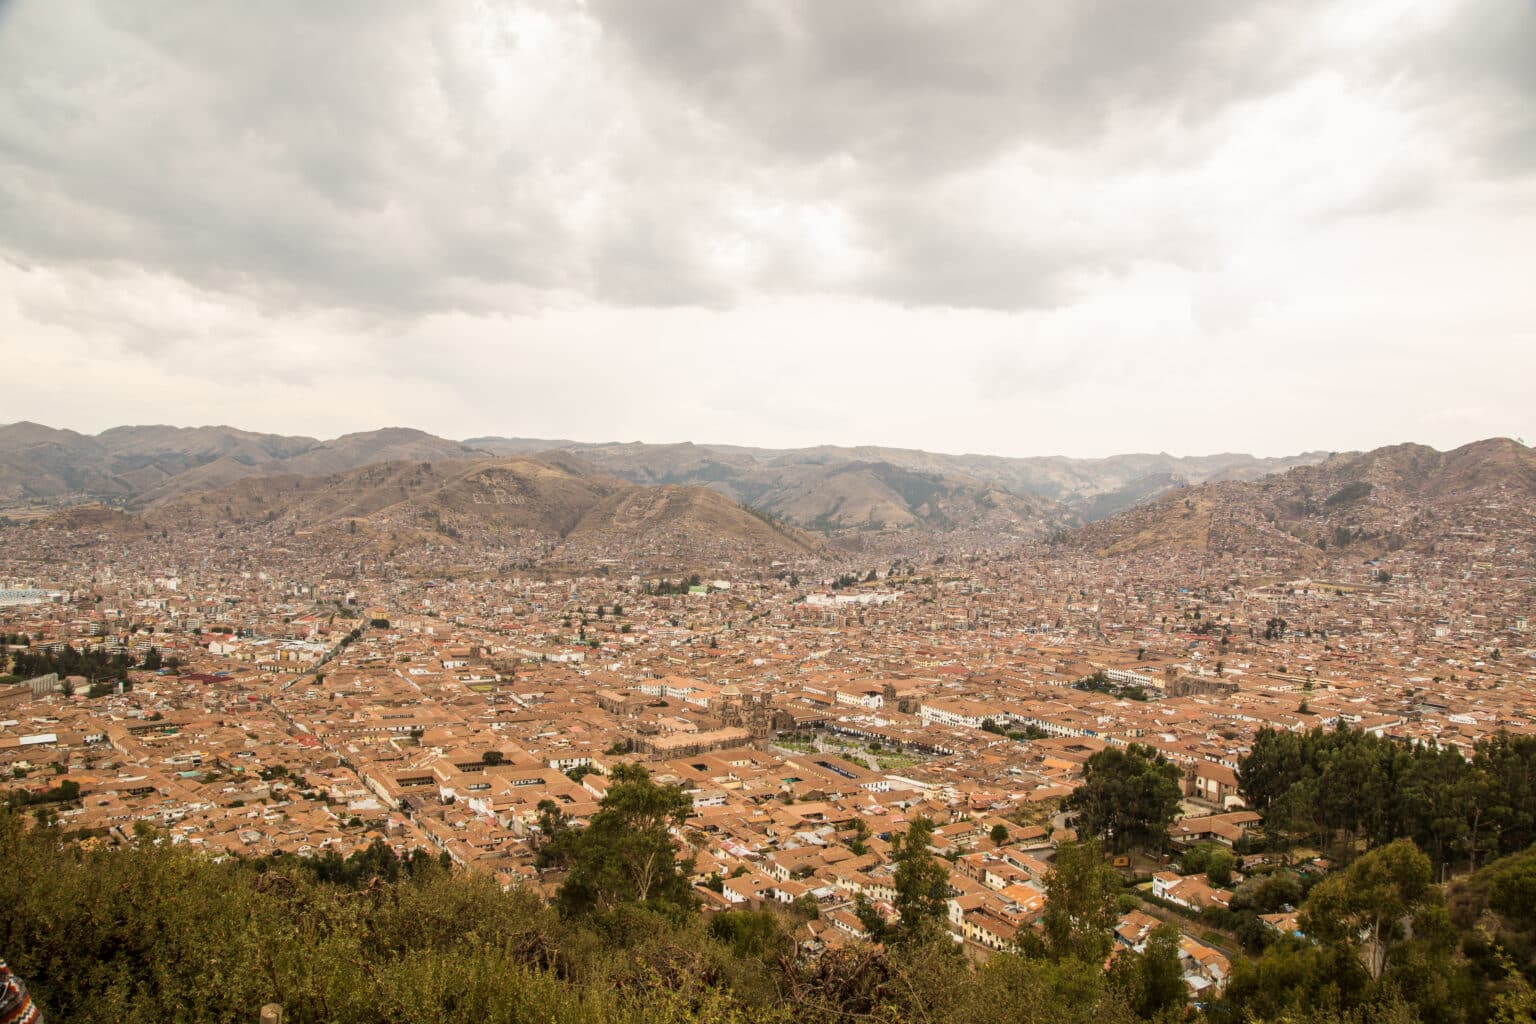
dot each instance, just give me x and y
(922, 883)
(626, 853)
(1374, 904)
(1128, 798)
(1080, 908)
(1153, 980)
(1340, 787)
(1510, 762)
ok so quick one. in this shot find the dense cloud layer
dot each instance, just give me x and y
(1050, 194)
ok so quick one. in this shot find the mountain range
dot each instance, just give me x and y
(1405, 496)
(826, 488)
(531, 509)
(539, 500)
(147, 464)
(776, 479)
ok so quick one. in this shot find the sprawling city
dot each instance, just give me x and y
(309, 670)
(698, 512)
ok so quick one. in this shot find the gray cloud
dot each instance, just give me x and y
(1480, 69)
(399, 158)
(273, 151)
(921, 88)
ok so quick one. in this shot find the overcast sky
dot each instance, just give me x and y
(1013, 227)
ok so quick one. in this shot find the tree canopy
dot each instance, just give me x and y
(1128, 798)
(150, 932)
(1381, 899)
(1153, 983)
(627, 854)
(922, 884)
(922, 891)
(94, 663)
(1344, 786)
(1080, 906)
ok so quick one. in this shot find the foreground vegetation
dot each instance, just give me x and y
(1339, 789)
(155, 933)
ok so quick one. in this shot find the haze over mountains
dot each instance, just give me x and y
(146, 464)
(400, 486)
(824, 488)
(1370, 504)
(852, 486)
(530, 508)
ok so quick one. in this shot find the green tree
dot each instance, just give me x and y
(870, 918)
(921, 882)
(999, 834)
(1294, 980)
(1267, 894)
(860, 837)
(1011, 989)
(626, 854)
(1128, 798)
(1218, 868)
(1080, 904)
(1338, 788)
(1517, 1004)
(1152, 981)
(750, 933)
(1510, 762)
(1372, 905)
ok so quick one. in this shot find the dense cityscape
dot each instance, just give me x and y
(262, 692)
(697, 512)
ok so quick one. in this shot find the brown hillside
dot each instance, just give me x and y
(1403, 496)
(517, 504)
